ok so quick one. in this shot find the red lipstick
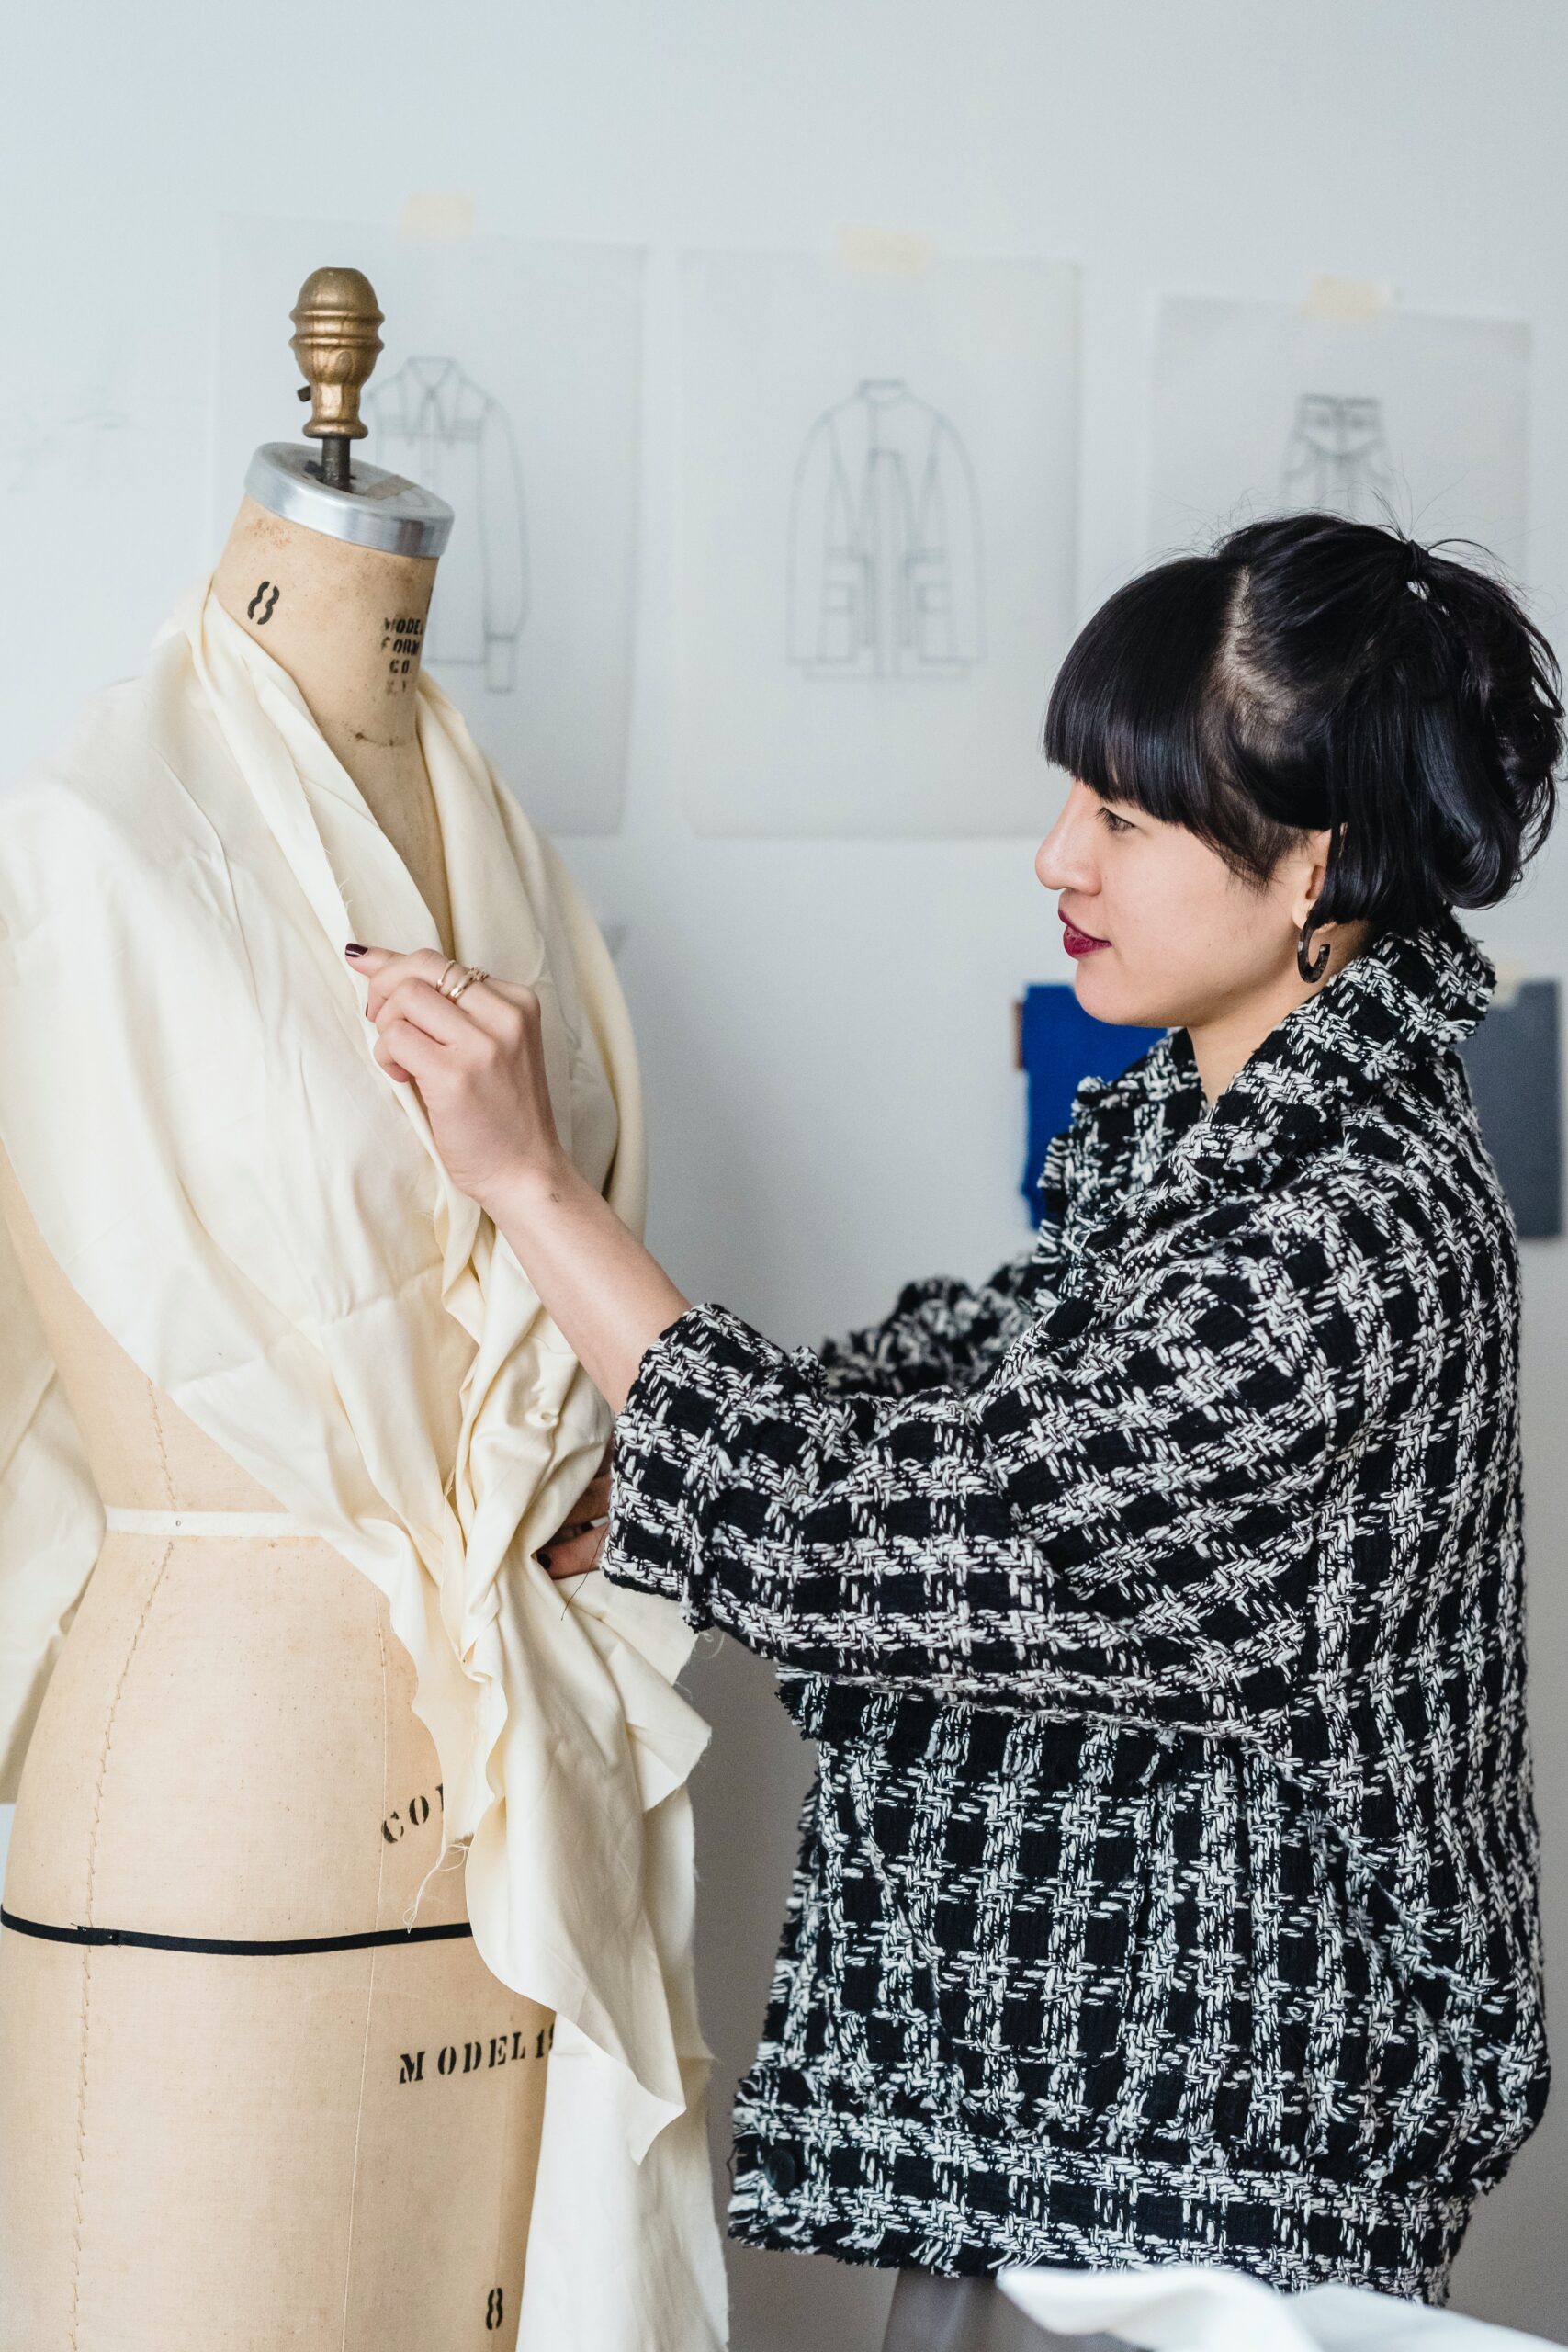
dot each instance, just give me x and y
(1076, 941)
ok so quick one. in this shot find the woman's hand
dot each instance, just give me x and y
(478, 1066)
(576, 1548)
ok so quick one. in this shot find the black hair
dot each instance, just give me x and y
(1311, 672)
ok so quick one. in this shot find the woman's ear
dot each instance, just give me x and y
(1306, 872)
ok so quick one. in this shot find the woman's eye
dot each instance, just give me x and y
(1117, 824)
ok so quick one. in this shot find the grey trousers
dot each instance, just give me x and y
(931, 2314)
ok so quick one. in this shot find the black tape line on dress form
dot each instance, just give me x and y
(98, 1936)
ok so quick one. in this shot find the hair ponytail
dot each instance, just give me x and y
(1488, 771)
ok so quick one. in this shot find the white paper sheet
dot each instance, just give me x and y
(878, 515)
(509, 384)
(1263, 406)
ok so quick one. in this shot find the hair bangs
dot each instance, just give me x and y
(1125, 713)
(1146, 711)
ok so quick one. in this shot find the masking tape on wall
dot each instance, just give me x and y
(884, 253)
(1350, 300)
(437, 213)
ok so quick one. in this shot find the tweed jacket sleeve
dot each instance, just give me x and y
(941, 1332)
(1118, 1517)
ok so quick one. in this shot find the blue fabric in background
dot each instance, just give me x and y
(1061, 1043)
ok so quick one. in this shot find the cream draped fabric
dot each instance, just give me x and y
(259, 1215)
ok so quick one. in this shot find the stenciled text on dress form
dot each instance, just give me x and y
(347, 623)
(353, 2221)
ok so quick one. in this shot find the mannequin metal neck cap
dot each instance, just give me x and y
(378, 510)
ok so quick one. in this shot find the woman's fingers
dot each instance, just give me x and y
(477, 1062)
(506, 1011)
(575, 1549)
(416, 1001)
(406, 1051)
(383, 968)
(595, 1499)
(499, 1007)
(572, 1555)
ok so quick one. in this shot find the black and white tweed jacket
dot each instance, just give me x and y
(1167, 1886)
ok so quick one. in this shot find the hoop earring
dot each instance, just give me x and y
(1311, 972)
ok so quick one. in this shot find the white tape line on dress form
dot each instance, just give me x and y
(121, 1521)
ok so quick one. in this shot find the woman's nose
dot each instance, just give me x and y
(1062, 860)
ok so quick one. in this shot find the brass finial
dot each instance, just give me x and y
(335, 342)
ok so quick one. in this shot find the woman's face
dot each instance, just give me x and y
(1187, 941)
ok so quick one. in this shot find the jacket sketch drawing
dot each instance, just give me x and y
(884, 545)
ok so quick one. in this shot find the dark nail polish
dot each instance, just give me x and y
(543, 1558)
(353, 948)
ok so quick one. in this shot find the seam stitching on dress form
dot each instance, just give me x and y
(503, 2175)
(81, 2164)
(168, 1476)
(369, 1991)
(81, 2167)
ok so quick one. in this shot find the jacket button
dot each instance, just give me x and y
(781, 2170)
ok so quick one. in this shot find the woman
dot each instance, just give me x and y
(1167, 1886)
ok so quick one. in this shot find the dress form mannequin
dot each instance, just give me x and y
(333, 2150)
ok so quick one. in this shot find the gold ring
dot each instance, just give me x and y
(470, 973)
(441, 983)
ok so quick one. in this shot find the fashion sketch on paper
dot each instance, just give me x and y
(886, 575)
(1337, 456)
(433, 425)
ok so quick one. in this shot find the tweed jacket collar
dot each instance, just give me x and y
(1408, 998)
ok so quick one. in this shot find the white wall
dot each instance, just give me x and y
(826, 1028)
